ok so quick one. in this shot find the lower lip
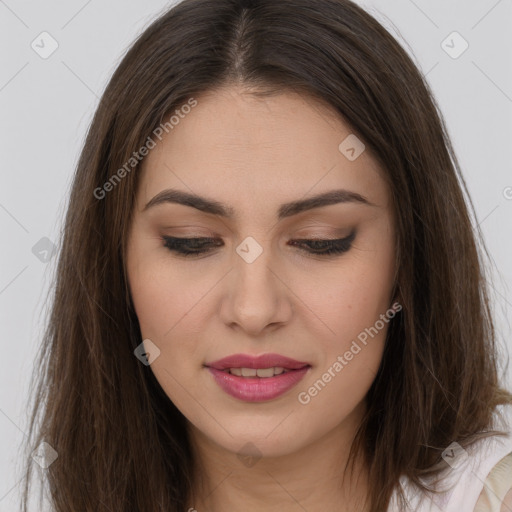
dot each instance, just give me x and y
(256, 389)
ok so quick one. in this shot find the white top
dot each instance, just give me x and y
(497, 493)
(466, 473)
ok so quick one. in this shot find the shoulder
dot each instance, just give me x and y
(496, 495)
(487, 469)
(471, 477)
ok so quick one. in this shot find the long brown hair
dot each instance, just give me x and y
(122, 444)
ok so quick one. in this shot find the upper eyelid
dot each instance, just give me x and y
(305, 238)
(349, 239)
(335, 247)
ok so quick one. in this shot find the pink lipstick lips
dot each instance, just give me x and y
(257, 379)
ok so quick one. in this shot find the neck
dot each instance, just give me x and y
(312, 478)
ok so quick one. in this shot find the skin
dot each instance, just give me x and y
(254, 154)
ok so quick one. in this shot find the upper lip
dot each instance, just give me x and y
(262, 361)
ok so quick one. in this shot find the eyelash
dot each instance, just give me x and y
(188, 247)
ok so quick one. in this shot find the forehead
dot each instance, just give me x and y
(242, 148)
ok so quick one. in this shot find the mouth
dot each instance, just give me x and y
(246, 364)
(257, 379)
(262, 373)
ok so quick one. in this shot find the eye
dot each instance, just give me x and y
(190, 246)
(196, 246)
(326, 247)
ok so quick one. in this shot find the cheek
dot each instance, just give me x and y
(167, 307)
(352, 296)
(353, 301)
(165, 298)
(356, 312)
(155, 302)
(170, 320)
(162, 303)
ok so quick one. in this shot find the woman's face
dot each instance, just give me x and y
(258, 290)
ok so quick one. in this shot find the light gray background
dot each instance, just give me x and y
(47, 104)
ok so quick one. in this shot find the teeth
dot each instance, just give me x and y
(260, 372)
(267, 372)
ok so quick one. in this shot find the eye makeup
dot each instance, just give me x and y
(190, 247)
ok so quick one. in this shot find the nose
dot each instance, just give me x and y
(257, 297)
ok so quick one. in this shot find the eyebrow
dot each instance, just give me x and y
(285, 210)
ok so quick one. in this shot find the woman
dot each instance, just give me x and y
(269, 294)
